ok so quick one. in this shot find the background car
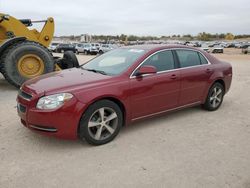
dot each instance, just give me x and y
(246, 50)
(205, 47)
(65, 47)
(230, 45)
(106, 47)
(217, 49)
(52, 46)
(91, 48)
(79, 48)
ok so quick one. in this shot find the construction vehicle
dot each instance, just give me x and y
(24, 53)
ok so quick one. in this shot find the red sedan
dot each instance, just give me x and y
(94, 101)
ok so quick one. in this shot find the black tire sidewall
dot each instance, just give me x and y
(14, 54)
(83, 127)
(70, 59)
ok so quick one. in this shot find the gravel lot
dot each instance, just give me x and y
(188, 148)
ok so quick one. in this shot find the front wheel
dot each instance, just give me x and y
(215, 97)
(101, 122)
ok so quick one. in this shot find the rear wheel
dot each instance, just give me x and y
(26, 60)
(101, 122)
(215, 97)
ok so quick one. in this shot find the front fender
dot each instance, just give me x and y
(9, 42)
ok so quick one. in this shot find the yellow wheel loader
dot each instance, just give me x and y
(24, 53)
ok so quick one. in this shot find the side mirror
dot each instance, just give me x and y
(147, 69)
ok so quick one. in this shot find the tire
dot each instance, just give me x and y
(77, 52)
(108, 129)
(85, 52)
(214, 100)
(100, 52)
(71, 59)
(13, 55)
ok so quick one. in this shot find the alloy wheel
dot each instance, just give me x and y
(216, 97)
(103, 123)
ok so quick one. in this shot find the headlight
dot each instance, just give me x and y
(53, 101)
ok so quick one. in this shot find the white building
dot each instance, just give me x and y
(86, 38)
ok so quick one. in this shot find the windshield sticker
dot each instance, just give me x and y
(136, 50)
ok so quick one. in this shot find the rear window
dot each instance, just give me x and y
(188, 58)
(203, 59)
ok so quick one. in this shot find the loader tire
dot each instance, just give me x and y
(26, 60)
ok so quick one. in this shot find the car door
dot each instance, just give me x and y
(155, 92)
(195, 72)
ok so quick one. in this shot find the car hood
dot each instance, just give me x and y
(65, 81)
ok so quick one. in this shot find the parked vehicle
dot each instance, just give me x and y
(65, 47)
(94, 101)
(230, 45)
(245, 45)
(79, 48)
(205, 48)
(52, 46)
(246, 50)
(217, 49)
(91, 48)
(106, 47)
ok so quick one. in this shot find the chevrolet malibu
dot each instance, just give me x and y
(94, 101)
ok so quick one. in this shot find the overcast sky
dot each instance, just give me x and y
(139, 17)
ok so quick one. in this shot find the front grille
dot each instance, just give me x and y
(21, 108)
(25, 95)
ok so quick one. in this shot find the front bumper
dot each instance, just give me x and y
(61, 123)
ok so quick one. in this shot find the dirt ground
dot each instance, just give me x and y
(188, 148)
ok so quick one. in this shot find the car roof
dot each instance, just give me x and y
(150, 47)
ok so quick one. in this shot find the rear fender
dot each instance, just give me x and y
(213, 78)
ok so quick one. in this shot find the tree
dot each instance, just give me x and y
(229, 36)
(123, 37)
(204, 36)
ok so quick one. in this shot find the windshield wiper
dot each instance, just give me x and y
(96, 71)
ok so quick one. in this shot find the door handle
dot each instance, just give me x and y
(173, 76)
(208, 71)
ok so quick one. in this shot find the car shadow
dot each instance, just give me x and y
(156, 120)
(52, 143)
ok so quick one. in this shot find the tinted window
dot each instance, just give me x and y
(188, 58)
(161, 61)
(203, 59)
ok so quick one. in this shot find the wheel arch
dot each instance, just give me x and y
(10, 42)
(221, 81)
(110, 98)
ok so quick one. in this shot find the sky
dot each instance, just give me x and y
(137, 17)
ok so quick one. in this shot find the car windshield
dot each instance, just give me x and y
(114, 62)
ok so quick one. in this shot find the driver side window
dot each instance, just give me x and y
(162, 61)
